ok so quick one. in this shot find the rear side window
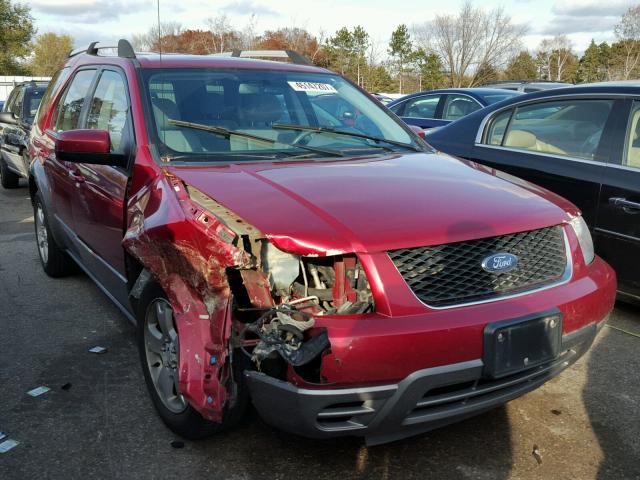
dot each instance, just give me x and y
(55, 82)
(67, 113)
(569, 128)
(108, 108)
(458, 106)
(632, 151)
(422, 107)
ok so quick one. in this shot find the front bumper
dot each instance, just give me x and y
(424, 400)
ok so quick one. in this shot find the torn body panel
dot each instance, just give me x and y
(191, 245)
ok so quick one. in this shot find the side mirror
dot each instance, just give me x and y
(417, 130)
(87, 146)
(8, 117)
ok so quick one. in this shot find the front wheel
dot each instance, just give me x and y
(159, 347)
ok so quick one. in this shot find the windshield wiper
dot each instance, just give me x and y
(225, 132)
(303, 128)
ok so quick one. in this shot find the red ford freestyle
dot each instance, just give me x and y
(278, 236)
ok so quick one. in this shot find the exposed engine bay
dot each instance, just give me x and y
(277, 296)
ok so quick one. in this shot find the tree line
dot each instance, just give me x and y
(466, 49)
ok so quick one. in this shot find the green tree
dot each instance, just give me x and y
(428, 68)
(50, 53)
(400, 48)
(521, 67)
(360, 43)
(16, 32)
(341, 48)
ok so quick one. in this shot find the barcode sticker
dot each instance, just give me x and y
(312, 87)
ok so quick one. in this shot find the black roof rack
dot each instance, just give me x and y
(292, 55)
(123, 49)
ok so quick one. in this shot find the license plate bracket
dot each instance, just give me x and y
(518, 344)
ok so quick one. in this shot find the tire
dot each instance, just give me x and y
(156, 330)
(8, 179)
(55, 261)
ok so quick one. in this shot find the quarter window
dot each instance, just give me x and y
(67, 112)
(458, 106)
(568, 128)
(422, 107)
(108, 108)
(632, 153)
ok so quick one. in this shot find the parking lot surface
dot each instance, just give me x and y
(585, 423)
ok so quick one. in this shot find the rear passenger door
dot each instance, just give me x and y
(63, 176)
(563, 145)
(423, 111)
(618, 225)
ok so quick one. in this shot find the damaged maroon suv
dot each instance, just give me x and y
(278, 236)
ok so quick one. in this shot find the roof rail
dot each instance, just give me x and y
(496, 82)
(123, 49)
(292, 55)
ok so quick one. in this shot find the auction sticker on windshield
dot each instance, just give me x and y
(312, 87)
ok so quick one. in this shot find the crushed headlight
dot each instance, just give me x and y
(584, 238)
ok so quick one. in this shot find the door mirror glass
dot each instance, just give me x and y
(87, 146)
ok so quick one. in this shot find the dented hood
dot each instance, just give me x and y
(376, 204)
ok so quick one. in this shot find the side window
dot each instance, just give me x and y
(55, 82)
(16, 108)
(67, 112)
(569, 128)
(397, 108)
(632, 151)
(497, 127)
(108, 108)
(458, 106)
(422, 107)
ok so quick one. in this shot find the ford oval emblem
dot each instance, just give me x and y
(501, 262)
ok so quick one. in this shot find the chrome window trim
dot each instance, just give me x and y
(568, 274)
(565, 96)
(617, 234)
(545, 154)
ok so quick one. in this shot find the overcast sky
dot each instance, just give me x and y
(105, 20)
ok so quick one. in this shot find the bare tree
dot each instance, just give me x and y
(628, 34)
(553, 56)
(472, 39)
(158, 36)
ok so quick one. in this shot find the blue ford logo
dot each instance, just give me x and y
(500, 262)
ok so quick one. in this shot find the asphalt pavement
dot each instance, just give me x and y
(585, 423)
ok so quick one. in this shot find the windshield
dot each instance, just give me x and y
(245, 106)
(492, 98)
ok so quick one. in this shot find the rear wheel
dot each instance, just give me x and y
(54, 260)
(8, 179)
(159, 347)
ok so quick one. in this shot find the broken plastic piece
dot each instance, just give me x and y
(36, 392)
(8, 445)
(536, 454)
(98, 350)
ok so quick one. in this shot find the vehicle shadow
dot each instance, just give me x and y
(613, 412)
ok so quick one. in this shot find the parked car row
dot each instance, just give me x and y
(16, 118)
(277, 235)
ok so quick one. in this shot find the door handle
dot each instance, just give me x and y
(76, 177)
(627, 205)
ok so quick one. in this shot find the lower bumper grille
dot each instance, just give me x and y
(452, 274)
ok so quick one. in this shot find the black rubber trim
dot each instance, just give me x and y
(392, 412)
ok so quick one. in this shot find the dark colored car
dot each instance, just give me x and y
(436, 108)
(527, 86)
(15, 124)
(582, 143)
(333, 273)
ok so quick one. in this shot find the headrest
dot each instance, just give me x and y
(520, 139)
(164, 109)
(260, 108)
